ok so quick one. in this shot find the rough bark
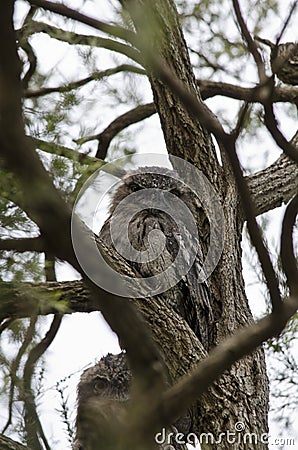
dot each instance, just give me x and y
(8, 444)
(276, 184)
(246, 394)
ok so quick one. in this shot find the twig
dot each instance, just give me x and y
(281, 141)
(250, 43)
(240, 121)
(291, 12)
(287, 254)
(27, 47)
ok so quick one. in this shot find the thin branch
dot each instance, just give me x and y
(95, 76)
(252, 225)
(27, 47)
(287, 254)
(272, 126)
(61, 150)
(270, 120)
(104, 138)
(23, 244)
(32, 423)
(15, 366)
(82, 39)
(252, 47)
(287, 21)
(113, 30)
(240, 121)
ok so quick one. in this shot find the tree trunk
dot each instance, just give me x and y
(245, 395)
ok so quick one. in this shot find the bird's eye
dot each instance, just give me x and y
(134, 187)
(100, 384)
(175, 192)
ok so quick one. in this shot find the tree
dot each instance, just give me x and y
(230, 384)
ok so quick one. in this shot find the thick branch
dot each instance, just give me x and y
(8, 444)
(212, 88)
(45, 298)
(23, 244)
(276, 184)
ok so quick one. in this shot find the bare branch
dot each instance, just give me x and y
(240, 121)
(82, 39)
(250, 43)
(104, 138)
(58, 8)
(270, 120)
(33, 425)
(32, 62)
(67, 152)
(287, 21)
(95, 76)
(8, 444)
(15, 366)
(287, 254)
(255, 94)
(272, 126)
(276, 184)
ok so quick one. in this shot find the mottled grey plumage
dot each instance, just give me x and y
(189, 298)
(284, 62)
(103, 392)
(103, 396)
